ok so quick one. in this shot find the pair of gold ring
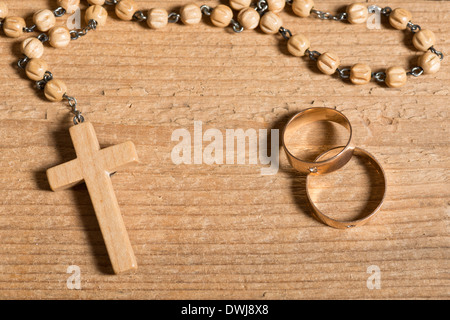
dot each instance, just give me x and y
(324, 164)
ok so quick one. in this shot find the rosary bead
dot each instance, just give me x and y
(125, 9)
(276, 5)
(221, 16)
(270, 22)
(96, 2)
(429, 62)
(240, 4)
(249, 18)
(157, 18)
(36, 69)
(328, 63)
(191, 14)
(44, 20)
(360, 74)
(97, 13)
(69, 5)
(395, 77)
(399, 18)
(13, 26)
(54, 90)
(424, 40)
(302, 8)
(357, 13)
(3, 10)
(59, 37)
(298, 44)
(32, 48)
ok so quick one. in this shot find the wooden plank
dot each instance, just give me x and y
(224, 231)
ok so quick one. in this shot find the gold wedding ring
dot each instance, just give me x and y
(319, 166)
(325, 163)
(345, 224)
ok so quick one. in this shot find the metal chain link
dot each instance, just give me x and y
(78, 117)
(313, 55)
(344, 73)
(139, 16)
(414, 27)
(111, 2)
(261, 7)
(76, 34)
(416, 72)
(29, 29)
(41, 83)
(43, 37)
(438, 53)
(379, 76)
(386, 11)
(22, 63)
(236, 26)
(59, 12)
(328, 16)
(286, 33)
(174, 17)
(206, 10)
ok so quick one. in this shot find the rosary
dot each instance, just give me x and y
(94, 166)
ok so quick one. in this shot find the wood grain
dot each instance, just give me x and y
(225, 231)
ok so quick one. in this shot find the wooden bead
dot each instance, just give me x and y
(298, 44)
(69, 5)
(328, 63)
(240, 4)
(276, 5)
(3, 10)
(44, 20)
(249, 18)
(32, 48)
(157, 18)
(13, 26)
(357, 13)
(424, 40)
(360, 74)
(191, 14)
(270, 22)
(395, 77)
(96, 2)
(302, 8)
(35, 69)
(125, 9)
(54, 90)
(59, 37)
(221, 16)
(97, 13)
(429, 62)
(399, 18)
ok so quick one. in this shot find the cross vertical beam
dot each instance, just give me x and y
(94, 166)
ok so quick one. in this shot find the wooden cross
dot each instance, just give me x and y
(94, 166)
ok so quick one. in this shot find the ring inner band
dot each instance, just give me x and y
(345, 224)
(309, 116)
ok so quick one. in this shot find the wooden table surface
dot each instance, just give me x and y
(224, 231)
